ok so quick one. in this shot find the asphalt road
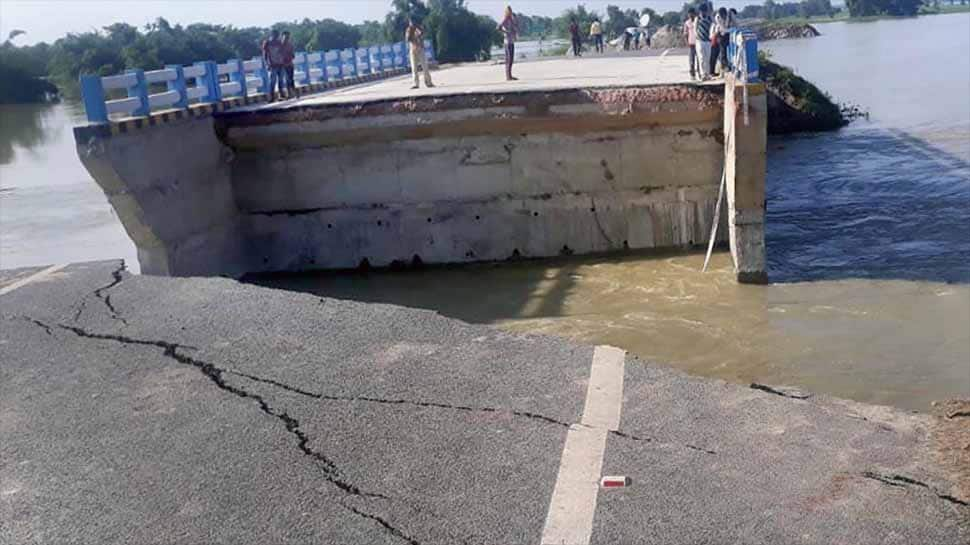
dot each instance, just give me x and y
(154, 410)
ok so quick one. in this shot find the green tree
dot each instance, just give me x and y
(458, 34)
(396, 20)
(371, 33)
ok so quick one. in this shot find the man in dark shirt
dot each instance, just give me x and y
(577, 39)
(275, 62)
(289, 53)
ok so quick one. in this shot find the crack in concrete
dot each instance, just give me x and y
(215, 374)
(632, 437)
(38, 323)
(599, 226)
(387, 526)
(783, 392)
(466, 408)
(902, 481)
(116, 278)
(384, 401)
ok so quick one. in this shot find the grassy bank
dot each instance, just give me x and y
(795, 104)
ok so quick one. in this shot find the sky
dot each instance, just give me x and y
(47, 20)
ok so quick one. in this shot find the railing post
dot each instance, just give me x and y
(322, 63)
(178, 85)
(239, 76)
(363, 61)
(263, 75)
(374, 59)
(92, 93)
(140, 91)
(307, 79)
(347, 60)
(211, 79)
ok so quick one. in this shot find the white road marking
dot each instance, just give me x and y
(573, 504)
(32, 278)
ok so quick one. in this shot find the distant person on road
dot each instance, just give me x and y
(509, 27)
(577, 39)
(414, 35)
(289, 53)
(702, 30)
(691, 37)
(275, 60)
(596, 34)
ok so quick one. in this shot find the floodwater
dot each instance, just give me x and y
(51, 211)
(868, 239)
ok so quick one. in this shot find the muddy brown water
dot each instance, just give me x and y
(889, 342)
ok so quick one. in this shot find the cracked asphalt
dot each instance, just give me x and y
(156, 410)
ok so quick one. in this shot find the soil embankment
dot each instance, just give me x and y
(672, 36)
(797, 105)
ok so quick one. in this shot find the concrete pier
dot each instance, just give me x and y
(579, 157)
(139, 409)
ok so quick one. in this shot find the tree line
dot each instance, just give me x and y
(29, 73)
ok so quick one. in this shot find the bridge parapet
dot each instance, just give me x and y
(211, 83)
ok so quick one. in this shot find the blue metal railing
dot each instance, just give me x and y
(207, 82)
(749, 57)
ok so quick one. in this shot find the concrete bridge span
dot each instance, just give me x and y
(627, 156)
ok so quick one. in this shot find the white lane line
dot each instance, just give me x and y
(32, 278)
(573, 504)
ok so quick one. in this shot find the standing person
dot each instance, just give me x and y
(509, 27)
(691, 36)
(577, 40)
(275, 62)
(596, 34)
(719, 40)
(414, 36)
(702, 31)
(289, 53)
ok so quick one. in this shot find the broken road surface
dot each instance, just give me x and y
(156, 410)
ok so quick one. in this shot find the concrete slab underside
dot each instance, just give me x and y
(159, 410)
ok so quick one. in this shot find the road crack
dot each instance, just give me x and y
(778, 391)
(101, 293)
(901, 481)
(431, 404)
(215, 374)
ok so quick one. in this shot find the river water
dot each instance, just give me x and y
(868, 239)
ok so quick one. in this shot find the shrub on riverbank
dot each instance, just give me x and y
(19, 87)
(795, 104)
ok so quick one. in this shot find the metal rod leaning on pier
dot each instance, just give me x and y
(739, 60)
(208, 82)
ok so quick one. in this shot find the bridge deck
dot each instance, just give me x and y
(544, 75)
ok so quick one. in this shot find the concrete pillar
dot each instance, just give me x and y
(745, 153)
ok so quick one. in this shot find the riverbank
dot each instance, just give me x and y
(182, 408)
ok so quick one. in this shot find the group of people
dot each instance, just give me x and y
(633, 37)
(707, 39)
(414, 35)
(278, 54)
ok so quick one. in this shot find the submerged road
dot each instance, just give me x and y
(157, 410)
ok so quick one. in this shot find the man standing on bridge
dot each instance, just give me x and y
(414, 35)
(509, 27)
(275, 60)
(289, 54)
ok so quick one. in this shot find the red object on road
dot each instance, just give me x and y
(615, 482)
